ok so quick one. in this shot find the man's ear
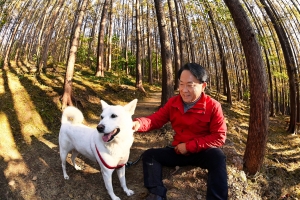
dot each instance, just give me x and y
(204, 84)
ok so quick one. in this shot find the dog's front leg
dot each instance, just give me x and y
(121, 175)
(107, 177)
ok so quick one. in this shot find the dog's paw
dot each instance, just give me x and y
(66, 177)
(129, 192)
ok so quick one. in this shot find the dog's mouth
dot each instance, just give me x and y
(107, 137)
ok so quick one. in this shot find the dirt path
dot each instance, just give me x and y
(148, 105)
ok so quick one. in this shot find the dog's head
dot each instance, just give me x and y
(116, 120)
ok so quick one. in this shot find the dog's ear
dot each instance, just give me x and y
(104, 104)
(130, 107)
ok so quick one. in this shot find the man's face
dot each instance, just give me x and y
(190, 88)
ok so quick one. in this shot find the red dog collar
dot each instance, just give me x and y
(105, 164)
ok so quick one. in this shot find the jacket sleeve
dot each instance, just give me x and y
(156, 120)
(217, 136)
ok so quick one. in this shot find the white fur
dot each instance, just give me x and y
(78, 138)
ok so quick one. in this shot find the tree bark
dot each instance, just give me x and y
(100, 53)
(67, 96)
(175, 42)
(110, 36)
(259, 102)
(166, 58)
(180, 34)
(149, 36)
(139, 77)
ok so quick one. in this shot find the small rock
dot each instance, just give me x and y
(243, 176)
(11, 183)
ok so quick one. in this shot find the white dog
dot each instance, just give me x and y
(108, 144)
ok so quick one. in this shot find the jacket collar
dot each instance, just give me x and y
(200, 105)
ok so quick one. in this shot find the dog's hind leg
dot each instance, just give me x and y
(73, 157)
(63, 157)
(121, 175)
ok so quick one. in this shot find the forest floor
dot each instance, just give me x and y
(30, 166)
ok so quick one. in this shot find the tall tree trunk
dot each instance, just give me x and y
(126, 42)
(67, 96)
(110, 36)
(100, 52)
(175, 42)
(259, 102)
(95, 19)
(139, 77)
(166, 58)
(149, 35)
(180, 34)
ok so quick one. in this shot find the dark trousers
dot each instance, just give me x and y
(212, 159)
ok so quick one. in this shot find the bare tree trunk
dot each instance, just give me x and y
(167, 72)
(139, 77)
(67, 96)
(259, 102)
(100, 54)
(180, 34)
(175, 43)
(126, 43)
(110, 36)
(267, 53)
(150, 77)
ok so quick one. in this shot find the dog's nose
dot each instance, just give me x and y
(100, 128)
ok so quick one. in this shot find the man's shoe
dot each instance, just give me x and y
(154, 197)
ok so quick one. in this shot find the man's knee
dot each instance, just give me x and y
(215, 157)
(148, 154)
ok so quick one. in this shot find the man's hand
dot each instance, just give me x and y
(181, 149)
(135, 125)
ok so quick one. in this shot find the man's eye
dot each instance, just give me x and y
(114, 116)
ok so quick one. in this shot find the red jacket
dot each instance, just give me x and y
(203, 126)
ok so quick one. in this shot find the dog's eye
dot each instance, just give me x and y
(101, 117)
(114, 116)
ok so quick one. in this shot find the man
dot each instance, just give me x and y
(200, 128)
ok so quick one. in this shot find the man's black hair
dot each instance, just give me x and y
(197, 70)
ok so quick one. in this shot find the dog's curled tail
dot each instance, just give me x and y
(72, 115)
